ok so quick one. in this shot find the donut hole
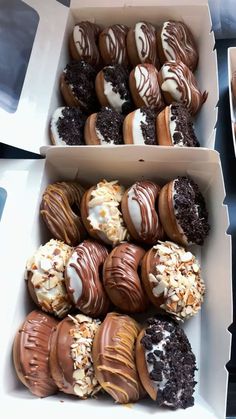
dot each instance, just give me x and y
(75, 209)
(139, 270)
(100, 272)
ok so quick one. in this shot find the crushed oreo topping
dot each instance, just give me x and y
(184, 135)
(171, 367)
(190, 210)
(109, 123)
(81, 76)
(118, 76)
(149, 127)
(70, 126)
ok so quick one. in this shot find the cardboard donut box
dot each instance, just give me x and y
(232, 99)
(23, 181)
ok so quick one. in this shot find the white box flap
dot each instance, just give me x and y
(232, 101)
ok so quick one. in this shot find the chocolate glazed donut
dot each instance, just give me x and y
(121, 280)
(82, 278)
(57, 209)
(139, 212)
(114, 358)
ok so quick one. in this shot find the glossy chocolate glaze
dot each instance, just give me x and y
(56, 210)
(31, 352)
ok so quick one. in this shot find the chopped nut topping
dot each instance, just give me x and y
(85, 382)
(178, 279)
(104, 213)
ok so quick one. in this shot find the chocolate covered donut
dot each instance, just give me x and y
(60, 209)
(112, 88)
(67, 126)
(174, 127)
(139, 209)
(83, 280)
(45, 277)
(178, 84)
(172, 280)
(104, 128)
(114, 358)
(71, 360)
(77, 86)
(142, 45)
(83, 42)
(175, 42)
(139, 127)
(112, 45)
(183, 213)
(166, 363)
(121, 279)
(31, 353)
(144, 87)
(100, 210)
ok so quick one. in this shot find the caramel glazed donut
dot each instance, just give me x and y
(82, 278)
(56, 209)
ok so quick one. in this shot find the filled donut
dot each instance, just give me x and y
(121, 278)
(174, 127)
(166, 363)
(31, 349)
(139, 209)
(182, 211)
(60, 209)
(144, 87)
(175, 42)
(83, 280)
(139, 127)
(112, 45)
(104, 128)
(101, 214)
(114, 358)
(83, 42)
(172, 280)
(142, 45)
(45, 277)
(71, 360)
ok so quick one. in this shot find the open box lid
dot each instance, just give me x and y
(27, 126)
(232, 101)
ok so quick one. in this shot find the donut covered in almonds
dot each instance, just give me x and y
(104, 128)
(175, 42)
(31, 349)
(183, 212)
(59, 202)
(178, 84)
(112, 45)
(142, 45)
(166, 363)
(101, 214)
(71, 360)
(144, 87)
(114, 358)
(45, 277)
(174, 127)
(121, 278)
(139, 127)
(172, 280)
(112, 88)
(139, 209)
(83, 42)
(83, 280)
(77, 86)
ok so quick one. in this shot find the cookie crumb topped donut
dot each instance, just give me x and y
(45, 277)
(166, 363)
(172, 279)
(104, 127)
(67, 126)
(139, 127)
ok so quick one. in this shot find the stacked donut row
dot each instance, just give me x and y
(86, 88)
(82, 356)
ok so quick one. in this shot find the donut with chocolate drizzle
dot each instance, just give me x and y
(83, 42)
(112, 45)
(142, 45)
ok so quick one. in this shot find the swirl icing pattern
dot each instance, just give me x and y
(178, 44)
(113, 39)
(146, 79)
(179, 84)
(145, 37)
(85, 35)
(82, 278)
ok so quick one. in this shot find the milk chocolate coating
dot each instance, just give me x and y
(144, 87)
(113, 46)
(176, 42)
(114, 358)
(31, 352)
(56, 209)
(83, 44)
(121, 279)
(83, 280)
(142, 44)
(178, 84)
